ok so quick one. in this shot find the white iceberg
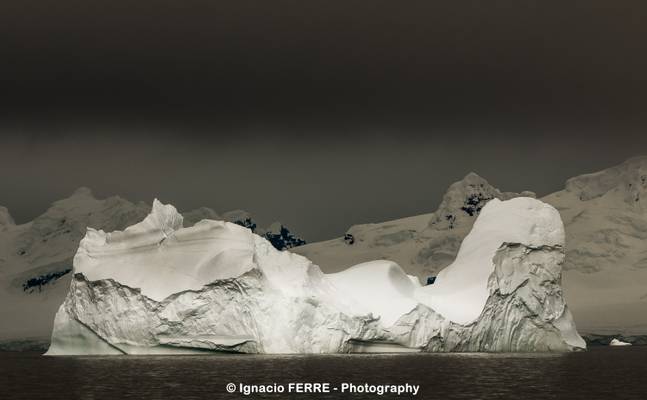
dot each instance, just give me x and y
(157, 287)
(36, 257)
(618, 342)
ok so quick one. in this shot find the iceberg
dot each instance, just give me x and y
(160, 288)
(618, 342)
(36, 257)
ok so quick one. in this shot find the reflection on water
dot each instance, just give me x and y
(600, 373)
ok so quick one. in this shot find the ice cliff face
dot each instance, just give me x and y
(159, 288)
(524, 311)
(499, 223)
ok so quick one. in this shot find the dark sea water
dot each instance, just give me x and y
(600, 373)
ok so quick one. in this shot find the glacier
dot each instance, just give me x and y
(160, 288)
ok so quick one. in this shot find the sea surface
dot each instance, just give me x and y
(599, 373)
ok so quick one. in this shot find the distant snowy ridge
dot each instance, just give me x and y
(605, 277)
(159, 288)
(36, 257)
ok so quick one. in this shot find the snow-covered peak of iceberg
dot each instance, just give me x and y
(519, 220)
(164, 217)
(160, 257)
(461, 289)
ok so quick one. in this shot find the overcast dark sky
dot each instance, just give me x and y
(319, 113)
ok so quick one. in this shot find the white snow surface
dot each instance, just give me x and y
(160, 257)
(460, 290)
(618, 342)
(378, 287)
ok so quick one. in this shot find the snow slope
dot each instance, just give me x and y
(157, 287)
(465, 280)
(379, 287)
(605, 275)
(36, 257)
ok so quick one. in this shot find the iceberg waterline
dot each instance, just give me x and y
(157, 287)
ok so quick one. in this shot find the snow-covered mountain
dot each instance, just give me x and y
(160, 288)
(36, 257)
(605, 216)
